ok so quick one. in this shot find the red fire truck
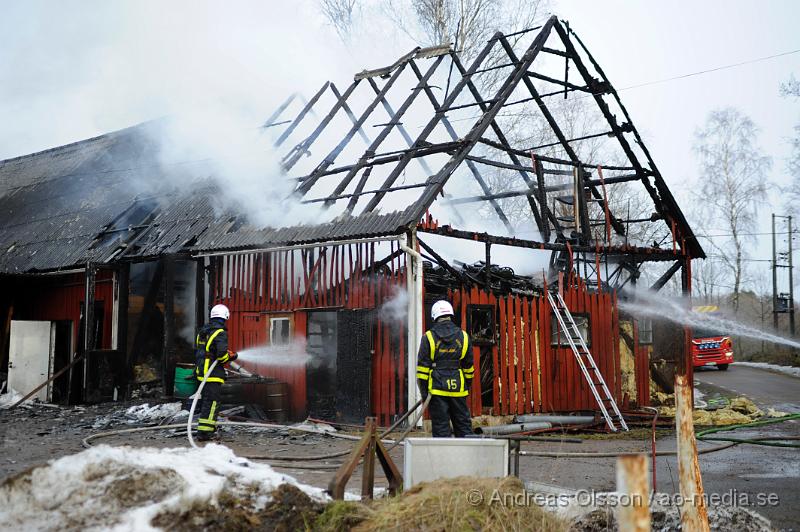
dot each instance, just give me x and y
(711, 347)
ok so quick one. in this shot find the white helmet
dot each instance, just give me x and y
(220, 311)
(441, 308)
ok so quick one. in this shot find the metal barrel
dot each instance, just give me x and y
(276, 400)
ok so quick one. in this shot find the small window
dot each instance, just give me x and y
(279, 331)
(559, 338)
(645, 331)
(480, 324)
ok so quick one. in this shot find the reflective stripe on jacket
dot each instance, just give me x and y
(211, 343)
(443, 366)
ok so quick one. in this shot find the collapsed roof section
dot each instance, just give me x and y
(471, 131)
(434, 135)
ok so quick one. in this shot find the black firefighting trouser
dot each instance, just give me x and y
(443, 410)
(209, 403)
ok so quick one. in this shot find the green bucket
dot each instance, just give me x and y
(185, 381)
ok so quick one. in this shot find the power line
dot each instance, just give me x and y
(745, 234)
(708, 71)
(674, 78)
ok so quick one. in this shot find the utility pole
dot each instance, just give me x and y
(774, 278)
(782, 303)
(791, 282)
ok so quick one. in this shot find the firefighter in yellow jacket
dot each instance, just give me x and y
(212, 344)
(445, 371)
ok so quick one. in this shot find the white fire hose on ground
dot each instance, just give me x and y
(194, 404)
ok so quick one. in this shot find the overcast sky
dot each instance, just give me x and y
(74, 69)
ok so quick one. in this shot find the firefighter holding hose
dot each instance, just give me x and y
(445, 371)
(212, 344)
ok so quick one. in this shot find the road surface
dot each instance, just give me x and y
(765, 388)
(752, 469)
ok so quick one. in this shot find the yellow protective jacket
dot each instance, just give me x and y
(211, 344)
(445, 361)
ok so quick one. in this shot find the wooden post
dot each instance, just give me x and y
(167, 362)
(634, 511)
(694, 515)
(123, 276)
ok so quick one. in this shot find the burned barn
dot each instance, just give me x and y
(426, 175)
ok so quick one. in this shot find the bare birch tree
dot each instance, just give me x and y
(339, 14)
(732, 173)
(791, 89)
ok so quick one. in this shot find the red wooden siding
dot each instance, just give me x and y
(294, 282)
(59, 298)
(544, 378)
(529, 374)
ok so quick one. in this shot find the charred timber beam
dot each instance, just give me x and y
(452, 132)
(583, 208)
(630, 252)
(122, 288)
(539, 218)
(303, 112)
(334, 153)
(350, 114)
(393, 157)
(443, 263)
(269, 122)
(554, 51)
(167, 360)
(666, 195)
(576, 139)
(423, 135)
(555, 160)
(373, 147)
(291, 158)
(551, 188)
(358, 193)
(664, 279)
(559, 82)
(470, 140)
(515, 102)
(393, 117)
(609, 116)
(585, 229)
(542, 196)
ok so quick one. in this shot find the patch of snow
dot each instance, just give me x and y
(787, 370)
(123, 489)
(9, 398)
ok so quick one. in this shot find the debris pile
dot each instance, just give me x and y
(9, 398)
(715, 410)
(668, 520)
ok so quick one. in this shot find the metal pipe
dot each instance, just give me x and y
(555, 420)
(415, 310)
(512, 428)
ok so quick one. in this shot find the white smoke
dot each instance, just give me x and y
(677, 310)
(395, 309)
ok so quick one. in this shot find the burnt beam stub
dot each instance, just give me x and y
(631, 252)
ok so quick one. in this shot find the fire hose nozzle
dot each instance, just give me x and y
(240, 369)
